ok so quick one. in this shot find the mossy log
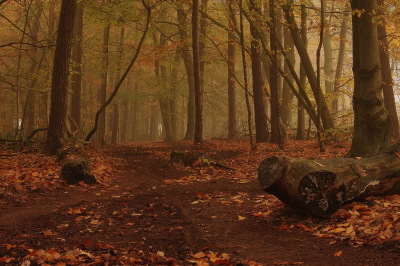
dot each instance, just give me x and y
(322, 186)
(75, 165)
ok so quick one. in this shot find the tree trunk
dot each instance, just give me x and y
(322, 186)
(115, 124)
(198, 133)
(340, 62)
(371, 120)
(287, 95)
(231, 78)
(77, 69)
(246, 87)
(164, 107)
(173, 107)
(275, 134)
(308, 67)
(59, 85)
(301, 120)
(102, 96)
(328, 56)
(134, 114)
(187, 58)
(262, 134)
(386, 71)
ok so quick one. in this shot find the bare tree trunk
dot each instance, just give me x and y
(328, 57)
(309, 69)
(387, 80)
(287, 95)
(58, 111)
(76, 98)
(246, 87)
(340, 62)
(301, 120)
(102, 96)
(187, 58)
(135, 111)
(262, 134)
(371, 120)
(198, 133)
(275, 134)
(173, 108)
(231, 77)
(30, 110)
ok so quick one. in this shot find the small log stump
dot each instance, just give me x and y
(322, 186)
(75, 165)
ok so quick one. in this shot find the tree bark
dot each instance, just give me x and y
(328, 56)
(322, 186)
(287, 95)
(301, 120)
(308, 67)
(76, 78)
(231, 77)
(386, 71)
(187, 58)
(59, 87)
(198, 133)
(102, 96)
(246, 87)
(262, 134)
(340, 62)
(275, 134)
(371, 120)
(174, 96)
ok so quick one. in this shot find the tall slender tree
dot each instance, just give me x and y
(262, 134)
(198, 133)
(76, 99)
(386, 71)
(231, 74)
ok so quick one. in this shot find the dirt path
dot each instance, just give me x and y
(142, 214)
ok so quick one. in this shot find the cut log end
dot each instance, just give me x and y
(269, 171)
(75, 165)
(75, 171)
(319, 193)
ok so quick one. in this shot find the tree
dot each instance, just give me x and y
(187, 59)
(386, 71)
(102, 96)
(231, 75)
(198, 133)
(301, 124)
(59, 84)
(262, 134)
(273, 84)
(371, 120)
(76, 78)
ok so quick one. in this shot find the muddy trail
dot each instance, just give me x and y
(154, 212)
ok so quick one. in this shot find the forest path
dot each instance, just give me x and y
(155, 207)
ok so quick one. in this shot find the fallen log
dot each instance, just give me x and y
(75, 165)
(322, 186)
(189, 158)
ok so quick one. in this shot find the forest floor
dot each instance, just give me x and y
(148, 211)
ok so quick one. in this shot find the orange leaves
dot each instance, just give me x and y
(338, 254)
(205, 257)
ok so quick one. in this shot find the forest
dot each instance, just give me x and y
(202, 132)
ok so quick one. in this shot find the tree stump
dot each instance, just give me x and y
(322, 186)
(75, 165)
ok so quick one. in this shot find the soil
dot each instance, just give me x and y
(142, 213)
